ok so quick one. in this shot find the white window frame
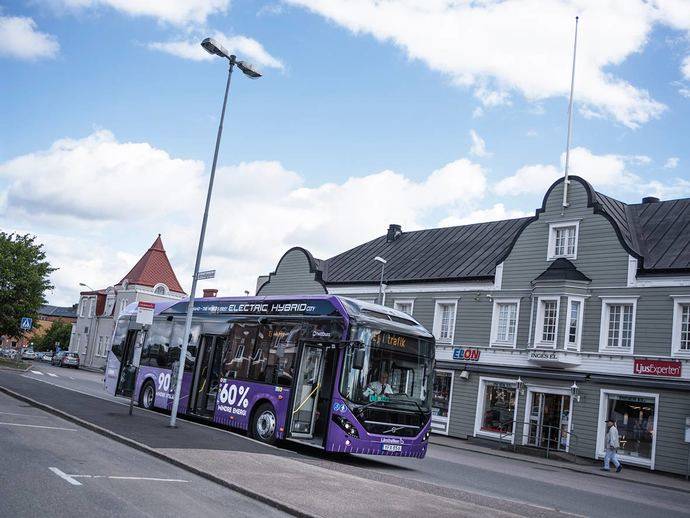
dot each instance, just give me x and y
(601, 429)
(551, 251)
(494, 323)
(83, 307)
(444, 421)
(580, 318)
(481, 398)
(539, 326)
(397, 302)
(92, 307)
(160, 285)
(123, 304)
(437, 320)
(678, 303)
(604, 325)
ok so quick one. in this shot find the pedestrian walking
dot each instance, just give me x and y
(611, 446)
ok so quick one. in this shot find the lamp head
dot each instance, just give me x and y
(380, 260)
(248, 70)
(213, 47)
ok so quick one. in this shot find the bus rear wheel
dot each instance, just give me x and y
(263, 425)
(147, 397)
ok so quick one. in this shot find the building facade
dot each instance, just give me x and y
(151, 279)
(47, 314)
(545, 326)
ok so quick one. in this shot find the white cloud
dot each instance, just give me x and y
(685, 67)
(477, 46)
(98, 203)
(178, 12)
(495, 213)
(245, 48)
(478, 148)
(672, 162)
(80, 178)
(20, 39)
(530, 179)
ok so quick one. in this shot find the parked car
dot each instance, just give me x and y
(47, 356)
(66, 359)
(28, 354)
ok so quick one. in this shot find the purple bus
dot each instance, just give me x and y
(329, 371)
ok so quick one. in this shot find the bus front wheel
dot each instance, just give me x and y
(264, 424)
(147, 397)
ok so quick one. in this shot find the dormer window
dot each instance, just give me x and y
(160, 289)
(563, 240)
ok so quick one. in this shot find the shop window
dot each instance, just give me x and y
(444, 321)
(496, 408)
(573, 335)
(547, 322)
(440, 406)
(563, 240)
(406, 306)
(681, 326)
(617, 333)
(504, 322)
(635, 416)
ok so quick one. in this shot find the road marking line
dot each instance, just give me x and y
(65, 476)
(39, 426)
(51, 374)
(26, 415)
(37, 372)
(116, 477)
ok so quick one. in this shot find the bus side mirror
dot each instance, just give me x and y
(358, 359)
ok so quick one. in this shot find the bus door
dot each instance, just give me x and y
(207, 375)
(307, 388)
(127, 355)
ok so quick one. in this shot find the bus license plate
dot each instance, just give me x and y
(391, 447)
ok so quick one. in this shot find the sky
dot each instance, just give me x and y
(423, 113)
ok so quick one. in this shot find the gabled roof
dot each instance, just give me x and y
(466, 252)
(154, 268)
(562, 270)
(58, 311)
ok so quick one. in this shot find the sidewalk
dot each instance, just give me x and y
(629, 473)
(273, 475)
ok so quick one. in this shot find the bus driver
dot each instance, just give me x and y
(380, 387)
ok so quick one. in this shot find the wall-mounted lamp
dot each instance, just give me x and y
(464, 375)
(575, 392)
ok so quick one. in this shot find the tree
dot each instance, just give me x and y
(24, 278)
(57, 332)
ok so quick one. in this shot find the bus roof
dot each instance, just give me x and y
(294, 305)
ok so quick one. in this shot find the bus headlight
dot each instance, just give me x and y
(346, 425)
(426, 436)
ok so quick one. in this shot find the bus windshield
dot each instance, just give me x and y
(397, 371)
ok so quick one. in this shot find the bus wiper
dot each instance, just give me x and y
(361, 409)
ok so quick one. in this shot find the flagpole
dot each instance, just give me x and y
(566, 182)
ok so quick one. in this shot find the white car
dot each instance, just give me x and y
(28, 354)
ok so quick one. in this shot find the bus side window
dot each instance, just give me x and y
(155, 351)
(258, 361)
(237, 360)
(176, 344)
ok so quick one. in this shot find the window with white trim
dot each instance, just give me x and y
(92, 307)
(547, 322)
(573, 329)
(444, 321)
(160, 289)
(563, 238)
(406, 305)
(83, 307)
(681, 326)
(123, 305)
(617, 332)
(504, 322)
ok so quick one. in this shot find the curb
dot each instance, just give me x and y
(4, 368)
(155, 453)
(569, 468)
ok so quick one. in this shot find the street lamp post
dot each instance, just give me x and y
(212, 47)
(383, 268)
(86, 286)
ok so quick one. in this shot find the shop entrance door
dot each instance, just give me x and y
(549, 421)
(307, 391)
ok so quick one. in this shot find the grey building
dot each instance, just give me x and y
(545, 326)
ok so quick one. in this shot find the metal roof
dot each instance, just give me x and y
(466, 251)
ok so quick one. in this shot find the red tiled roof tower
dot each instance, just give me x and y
(154, 268)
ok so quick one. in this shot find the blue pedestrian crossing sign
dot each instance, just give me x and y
(26, 323)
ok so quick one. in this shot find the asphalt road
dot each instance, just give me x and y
(51, 467)
(461, 474)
